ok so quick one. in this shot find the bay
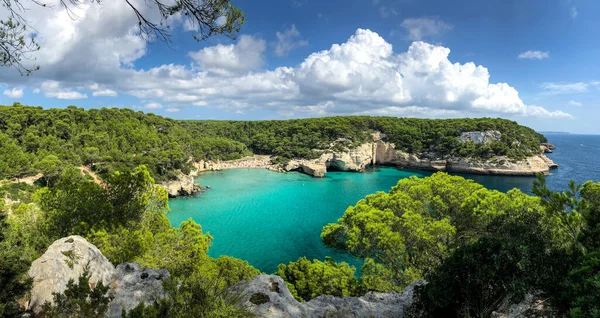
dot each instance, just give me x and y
(268, 218)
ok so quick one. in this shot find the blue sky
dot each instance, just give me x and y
(532, 61)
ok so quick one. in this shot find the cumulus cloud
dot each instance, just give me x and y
(361, 76)
(54, 89)
(233, 59)
(14, 93)
(420, 28)
(288, 40)
(534, 55)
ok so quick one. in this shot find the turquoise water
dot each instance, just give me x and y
(268, 218)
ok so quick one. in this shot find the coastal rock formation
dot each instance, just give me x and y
(67, 258)
(480, 137)
(132, 285)
(311, 168)
(356, 159)
(267, 295)
(314, 169)
(547, 147)
(341, 156)
(183, 185)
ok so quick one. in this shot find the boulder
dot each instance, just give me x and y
(133, 285)
(316, 170)
(480, 137)
(267, 295)
(67, 258)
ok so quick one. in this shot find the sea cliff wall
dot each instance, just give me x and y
(379, 152)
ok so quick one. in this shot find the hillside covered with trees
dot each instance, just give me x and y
(35, 140)
(475, 247)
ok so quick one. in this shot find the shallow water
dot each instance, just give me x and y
(268, 218)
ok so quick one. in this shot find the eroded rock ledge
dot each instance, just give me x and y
(379, 152)
(268, 296)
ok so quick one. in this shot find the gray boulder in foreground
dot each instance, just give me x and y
(268, 296)
(133, 285)
(67, 258)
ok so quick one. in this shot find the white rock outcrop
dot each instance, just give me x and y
(268, 296)
(183, 185)
(480, 137)
(67, 258)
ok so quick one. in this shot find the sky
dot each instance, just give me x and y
(533, 61)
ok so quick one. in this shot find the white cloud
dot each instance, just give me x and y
(574, 12)
(105, 92)
(172, 109)
(54, 89)
(534, 55)
(419, 28)
(14, 93)
(386, 12)
(362, 75)
(575, 103)
(154, 105)
(233, 59)
(288, 40)
(555, 88)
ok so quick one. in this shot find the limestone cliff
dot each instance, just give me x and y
(379, 152)
(183, 185)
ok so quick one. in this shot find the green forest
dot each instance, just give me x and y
(474, 247)
(36, 140)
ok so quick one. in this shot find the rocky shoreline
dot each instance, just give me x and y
(378, 152)
(384, 153)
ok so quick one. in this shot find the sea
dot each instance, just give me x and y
(269, 218)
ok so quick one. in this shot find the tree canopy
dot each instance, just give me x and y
(208, 17)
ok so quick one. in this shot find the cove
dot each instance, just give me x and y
(268, 218)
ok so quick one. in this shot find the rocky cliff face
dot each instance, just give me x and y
(480, 137)
(268, 296)
(67, 258)
(183, 185)
(384, 153)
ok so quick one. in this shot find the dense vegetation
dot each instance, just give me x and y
(478, 248)
(125, 218)
(35, 140)
(475, 247)
(437, 137)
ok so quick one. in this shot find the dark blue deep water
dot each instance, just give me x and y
(268, 218)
